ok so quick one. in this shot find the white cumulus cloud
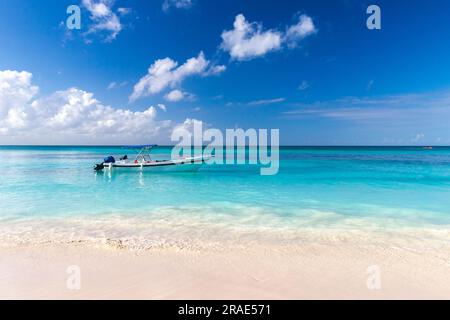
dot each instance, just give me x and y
(174, 95)
(164, 73)
(178, 95)
(103, 18)
(248, 40)
(302, 29)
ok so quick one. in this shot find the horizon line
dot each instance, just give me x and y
(282, 146)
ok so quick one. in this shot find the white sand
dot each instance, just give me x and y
(303, 271)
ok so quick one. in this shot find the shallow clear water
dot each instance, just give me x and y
(314, 187)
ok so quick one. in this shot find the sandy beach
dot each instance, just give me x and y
(310, 271)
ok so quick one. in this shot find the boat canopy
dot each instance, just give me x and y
(144, 146)
(144, 152)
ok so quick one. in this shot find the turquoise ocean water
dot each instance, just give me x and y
(315, 188)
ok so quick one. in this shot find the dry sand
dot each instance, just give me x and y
(305, 271)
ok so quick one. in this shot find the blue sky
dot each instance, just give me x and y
(310, 68)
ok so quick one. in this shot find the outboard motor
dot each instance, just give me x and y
(99, 167)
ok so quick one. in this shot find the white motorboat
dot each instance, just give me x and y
(143, 161)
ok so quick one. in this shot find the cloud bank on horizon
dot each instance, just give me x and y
(71, 116)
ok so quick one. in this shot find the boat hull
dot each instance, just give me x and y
(180, 165)
(167, 168)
